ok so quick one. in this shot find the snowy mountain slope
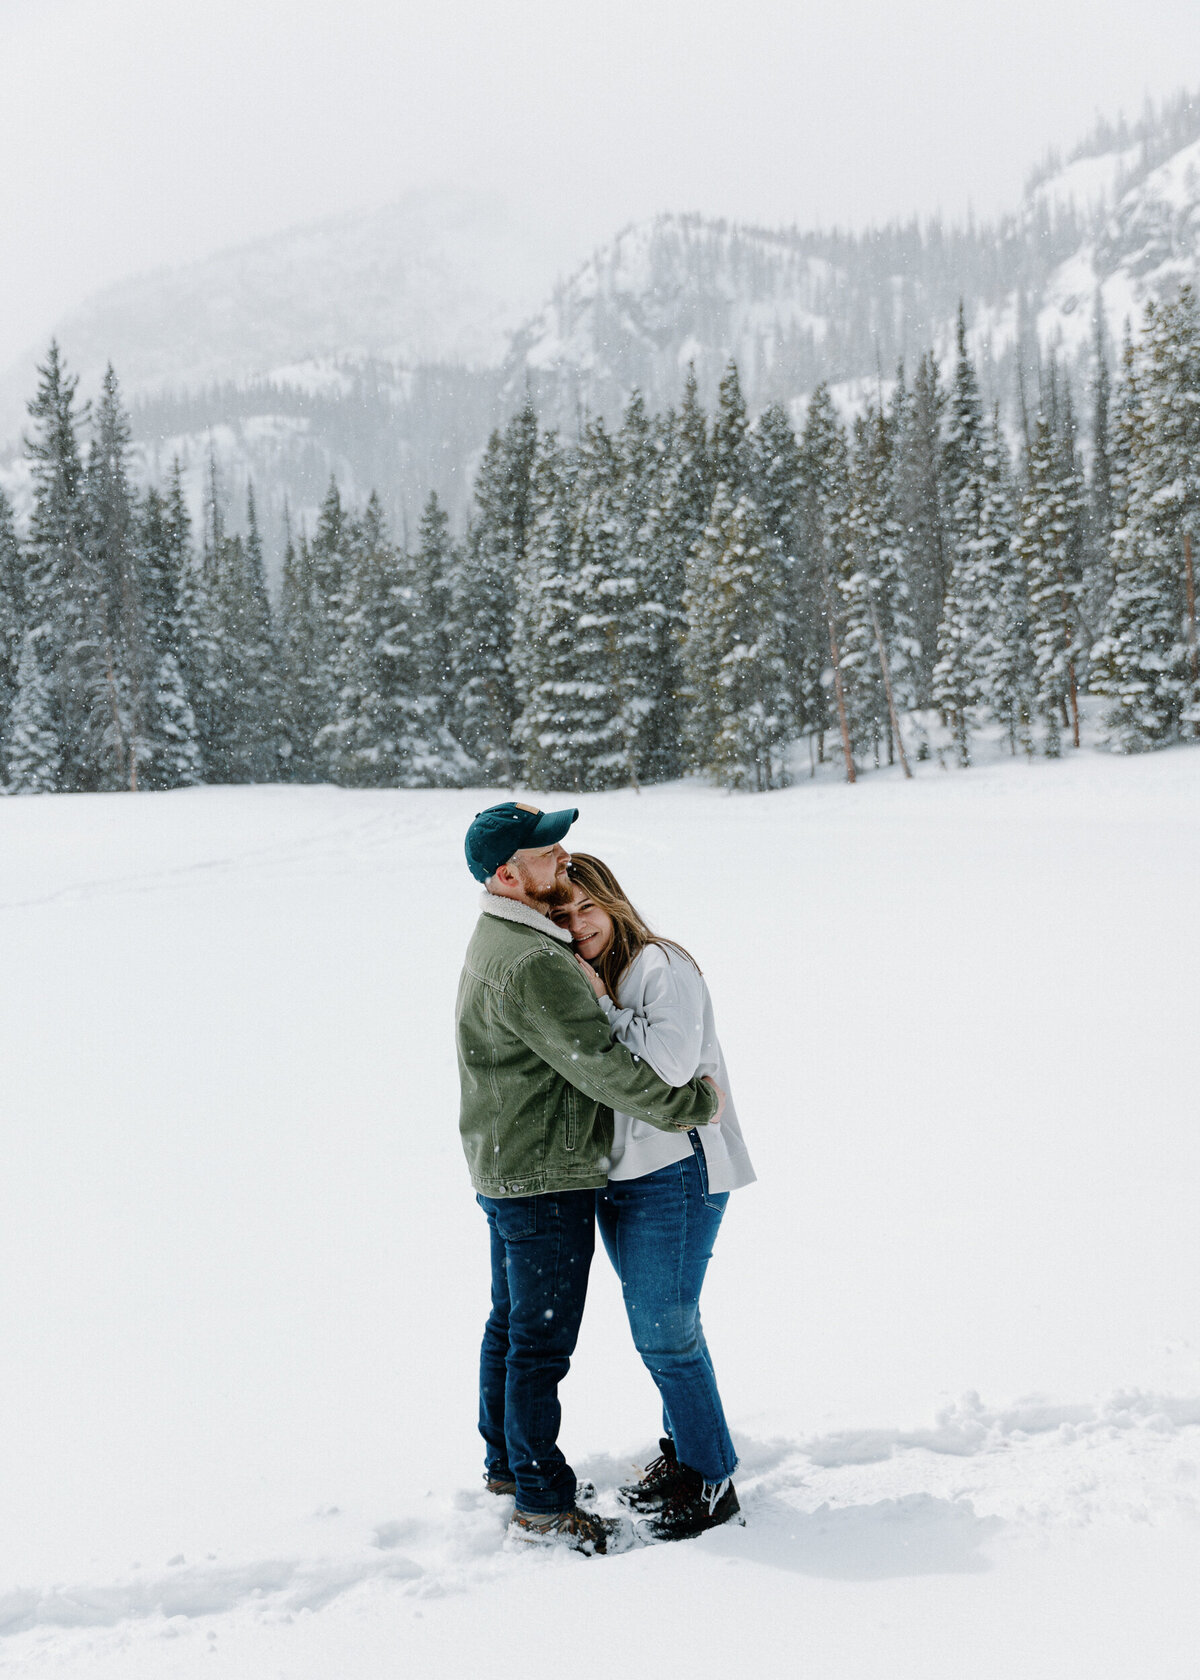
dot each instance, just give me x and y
(439, 276)
(1141, 247)
(310, 354)
(955, 1320)
(794, 309)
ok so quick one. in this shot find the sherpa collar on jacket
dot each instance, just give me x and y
(512, 910)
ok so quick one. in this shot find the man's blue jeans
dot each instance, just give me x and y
(659, 1231)
(542, 1250)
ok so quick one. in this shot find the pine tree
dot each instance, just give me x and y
(305, 685)
(824, 546)
(61, 589)
(386, 730)
(492, 562)
(12, 609)
(580, 724)
(962, 429)
(957, 687)
(436, 570)
(741, 715)
(920, 507)
(551, 672)
(1044, 545)
(164, 564)
(32, 752)
(1098, 579)
(197, 646)
(253, 703)
(122, 713)
(778, 479)
(880, 649)
(731, 453)
(1142, 659)
(1002, 660)
(174, 752)
(682, 502)
(328, 559)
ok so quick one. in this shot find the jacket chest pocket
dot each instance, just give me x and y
(571, 1119)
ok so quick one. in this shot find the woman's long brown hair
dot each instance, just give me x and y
(630, 933)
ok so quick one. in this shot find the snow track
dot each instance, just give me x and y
(852, 1506)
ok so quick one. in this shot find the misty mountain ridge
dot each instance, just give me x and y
(383, 348)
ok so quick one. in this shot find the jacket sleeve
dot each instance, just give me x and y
(551, 1007)
(667, 1029)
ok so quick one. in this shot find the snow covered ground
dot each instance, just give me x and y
(955, 1322)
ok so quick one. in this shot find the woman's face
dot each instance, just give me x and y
(590, 927)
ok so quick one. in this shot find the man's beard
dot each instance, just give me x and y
(553, 897)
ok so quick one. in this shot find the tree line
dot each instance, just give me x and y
(679, 592)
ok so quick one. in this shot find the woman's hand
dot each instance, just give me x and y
(594, 980)
(716, 1119)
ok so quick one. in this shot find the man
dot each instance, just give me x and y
(540, 1078)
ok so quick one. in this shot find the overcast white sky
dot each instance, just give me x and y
(135, 133)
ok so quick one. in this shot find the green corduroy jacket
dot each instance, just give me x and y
(540, 1072)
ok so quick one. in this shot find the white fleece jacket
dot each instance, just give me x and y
(665, 1015)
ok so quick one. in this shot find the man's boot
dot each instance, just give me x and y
(580, 1531)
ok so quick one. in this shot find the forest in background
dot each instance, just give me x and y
(677, 593)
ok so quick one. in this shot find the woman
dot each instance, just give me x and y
(666, 1193)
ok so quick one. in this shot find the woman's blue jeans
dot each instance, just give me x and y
(659, 1231)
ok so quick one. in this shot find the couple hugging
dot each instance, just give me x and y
(593, 1092)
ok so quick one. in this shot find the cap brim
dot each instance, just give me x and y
(550, 827)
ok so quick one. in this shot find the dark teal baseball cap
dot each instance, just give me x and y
(502, 830)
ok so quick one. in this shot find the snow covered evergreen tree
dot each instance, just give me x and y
(327, 564)
(386, 730)
(492, 562)
(966, 607)
(12, 609)
(683, 500)
(1002, 660)
(778, 495)
(731, 454)
(32, 751)
(647, 595)
(253, 722)
(579, 728)
(824, 549)
(551, 677)
(197, 645)
(1047, 549)
(880, 648)
(122, 721)
(920, 506)
(436, 570)
(1143, 659)
(741, 717)
(1098, 579)
(62, 593)
(164, 566)
(174, 746)
(305, 686)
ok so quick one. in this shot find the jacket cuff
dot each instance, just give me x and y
(617, 1018)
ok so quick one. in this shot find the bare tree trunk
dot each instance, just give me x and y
(1074, 702)
(893, 720)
